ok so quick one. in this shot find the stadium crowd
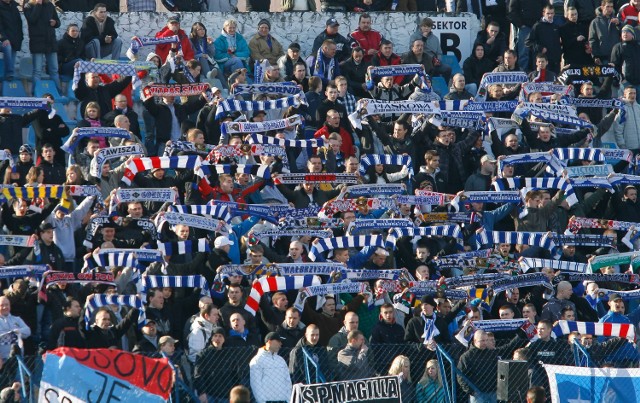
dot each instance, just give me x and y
(420, 210)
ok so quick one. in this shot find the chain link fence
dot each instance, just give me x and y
(492, 371)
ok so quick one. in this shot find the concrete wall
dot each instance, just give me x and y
(292, 26)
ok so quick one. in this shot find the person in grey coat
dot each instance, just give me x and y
(352, 360)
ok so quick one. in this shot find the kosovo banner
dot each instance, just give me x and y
(579, 384)
(383, 389)
(104, 375)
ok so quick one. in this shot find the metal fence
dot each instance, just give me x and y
(216, 372)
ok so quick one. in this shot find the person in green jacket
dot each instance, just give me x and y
(429, 389)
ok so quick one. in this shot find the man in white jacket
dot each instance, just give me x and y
(270, 380)
(201, 330)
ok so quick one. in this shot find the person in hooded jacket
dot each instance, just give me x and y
(318, 353)
(70, 50)
(476, 65)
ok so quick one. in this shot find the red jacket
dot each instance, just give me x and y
(629, 15)
(367, 40)
(347, 142)
(163, 50)
(394, 60)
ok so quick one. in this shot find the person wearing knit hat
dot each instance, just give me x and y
(630, 30)
(264, 46)
(625, 56)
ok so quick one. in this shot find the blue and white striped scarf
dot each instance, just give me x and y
(194, 281)
(196, 221)
(537, 183)
(590, 170)
(249, 270)
(99, 300)
(301, 269)
(259, 170)
(491, 106)
(230, 105)
(535, 263)
(141, 41)
(562, 114)
(361, 241)
(143, 255)
(464, 119)
(474, 280)
(331, 289)
(111, 259)
(305, 144)
(293, 232)
(378, 224)
(110, 153)
(453, 105)
(260, 127)
(523, 280)
(486, 197)
(499, 325)
(16, 240)
(367, 160)
(84, 132)
(283, 88)
(177, 146)
(26, 103)
(430, 329)
(599, 278)
(123, 195)
(629, 294)
(553, 162)
(541, 239)
(544, 87)
(584, 240)
(596, 103)
(367, 107)
(586, 154)
(304, 222)
(452, 231)
(263, 211)
(622, 179)
(322, 177)
(23, 271)
(507, 77)
(220, 211)
(396, 70)
(184, 247)
(376, 189)
(110, 67)
(259, 69)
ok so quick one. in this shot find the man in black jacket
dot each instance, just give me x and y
(307, 195)
(331, 32)
(121, 108)
(355, 70)
(89, 89)
(64, 331)
(99, 34)
(50, 131)
(387, 331)
(415, 328)
(11, 128)
(54, 173)
(102, 334)
(10, 35)
(169, 116)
